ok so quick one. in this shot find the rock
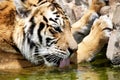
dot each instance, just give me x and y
(112, 2)
(116, 16)
(105, 10)
(113, 49)
(73, 8)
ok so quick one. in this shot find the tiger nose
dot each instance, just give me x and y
(72, 50)
(73, 47)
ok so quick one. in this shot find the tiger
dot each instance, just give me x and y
(99, 35)
(41, 33)
(81, 28)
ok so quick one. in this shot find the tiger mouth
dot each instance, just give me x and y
(60, 59)
(51, 56)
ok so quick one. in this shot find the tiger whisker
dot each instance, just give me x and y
(51, 58)
(57, 60)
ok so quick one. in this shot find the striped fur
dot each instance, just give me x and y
(42, 33)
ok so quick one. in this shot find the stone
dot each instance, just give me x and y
(113, 49)
(73, 8)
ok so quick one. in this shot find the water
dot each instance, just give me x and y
(99, 69)
(81, 72)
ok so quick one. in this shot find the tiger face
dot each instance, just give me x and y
(43, 33)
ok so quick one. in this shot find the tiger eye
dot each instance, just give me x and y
(58, 29)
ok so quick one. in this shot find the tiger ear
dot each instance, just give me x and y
(22, 8)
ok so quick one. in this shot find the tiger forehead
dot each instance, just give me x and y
(53, 7)
(48, 8)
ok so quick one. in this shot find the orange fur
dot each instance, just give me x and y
(84, 24)
(93, 42)
(8, 57)
(12, 35)
(7, 16)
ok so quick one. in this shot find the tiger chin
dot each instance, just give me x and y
(42, 33)
(94, 41)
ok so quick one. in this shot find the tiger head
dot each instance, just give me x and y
(43, 33)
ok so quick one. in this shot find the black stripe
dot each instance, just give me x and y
(45, 19)
(52, 31)
(56, 12)
(107, 29)
(24, 35)
(28, 40)
(36, 49)
(56, 5)
(32, 44)
(16, 48)
(39, 1)
(31, 29)
(42, 25)
(48, 40)
(52, 42)
(57, 15)
(52, 20)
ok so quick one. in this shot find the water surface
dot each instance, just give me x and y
(99, 69)
(81, 72)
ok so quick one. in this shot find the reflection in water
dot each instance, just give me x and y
(88, 76)
(81, 72)
(113, 74)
